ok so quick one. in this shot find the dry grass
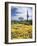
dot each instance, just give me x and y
(21, 31)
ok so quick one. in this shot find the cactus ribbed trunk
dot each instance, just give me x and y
(27, 16)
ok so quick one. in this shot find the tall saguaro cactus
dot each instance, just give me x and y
(27, 15)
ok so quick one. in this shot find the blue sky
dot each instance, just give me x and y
(17, 12)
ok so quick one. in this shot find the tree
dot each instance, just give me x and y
(21, 18)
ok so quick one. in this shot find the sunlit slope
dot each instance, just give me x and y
(21, 31)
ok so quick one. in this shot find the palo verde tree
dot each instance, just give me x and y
(21, 18)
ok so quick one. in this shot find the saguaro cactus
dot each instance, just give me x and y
(27, 15)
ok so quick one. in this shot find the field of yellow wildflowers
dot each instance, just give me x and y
(21, 31)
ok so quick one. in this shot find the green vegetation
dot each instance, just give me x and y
(22, 22)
